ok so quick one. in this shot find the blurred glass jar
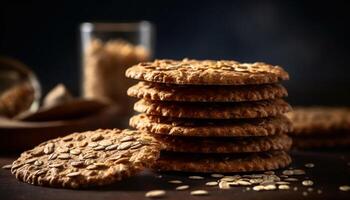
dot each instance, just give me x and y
(108, 49)
(20, 90)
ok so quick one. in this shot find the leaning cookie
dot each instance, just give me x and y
(195, 93)
(320, 120)
(225, 145)
(206, 72)
(222, 163)
(211, 128)
(87, 159)
(325, 141)
(254, 109)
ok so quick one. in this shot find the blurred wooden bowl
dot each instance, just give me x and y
(21, 135)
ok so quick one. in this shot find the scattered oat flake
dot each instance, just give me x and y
(305, 193)
(211, 183)
(307, 183)
(344, 188)
(175, 181)
(310, 165)
(182, 187)
(248, 188)
(159, 176)
(258, 188)
(295, 188)
(7, 166)
(288, 172)
(196, 177)
(270, 187)
(319, 191)
(224, 185)
(310, 189)
(217, 175)
(199, 192)
(155, 194)
(298, 172)
(269, 172)
(283, 187)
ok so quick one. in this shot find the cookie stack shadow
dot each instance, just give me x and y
(213, 116)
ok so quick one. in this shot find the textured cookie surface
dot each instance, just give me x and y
(89, 158)
(319, 120)
(254, 109)
(339, 140)
(211, 128)
(225, 145)
(194, 93)
(207, 72)
(223, 163)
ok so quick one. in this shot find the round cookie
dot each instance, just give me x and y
(254, 109)
(206, 72)
(319, 120)
(225, 145)
(85, 159)
(211, 128)
(221, 163)
(194, 93)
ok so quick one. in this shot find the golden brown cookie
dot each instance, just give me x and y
(211, 128)
(209, 93)
(222, 163)
(207, 72)
(225, 145)
(323, 141)
(85, 159)
(320, 120)
(255, 109)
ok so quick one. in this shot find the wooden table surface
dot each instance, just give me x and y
(331, 170)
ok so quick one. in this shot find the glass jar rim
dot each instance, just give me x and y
(115, 26)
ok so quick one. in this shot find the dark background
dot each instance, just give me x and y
(309, 39)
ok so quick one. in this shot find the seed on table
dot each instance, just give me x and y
(258, 188)
(155, 193)
(283, 187)
(344, 188)
(211, 183)
(270, 187)
(310, 165)
(224, 185)
(175, 181)
(298, 172)
(288, 172)
(269, 172)
(196, 177)
(310, 189)
(182, 187)
(304, 193)
(319, 191)
(217, 175)
(307, 183)
(7, 166)
(199, 193)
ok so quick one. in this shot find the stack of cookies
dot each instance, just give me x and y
(213, 116)
(320, 126)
